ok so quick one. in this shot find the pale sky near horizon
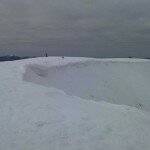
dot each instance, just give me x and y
(93, 28)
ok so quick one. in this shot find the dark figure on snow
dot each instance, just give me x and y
(46, 55)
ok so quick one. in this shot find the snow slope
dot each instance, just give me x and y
(41, 115)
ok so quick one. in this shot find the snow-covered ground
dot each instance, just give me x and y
(62, 104)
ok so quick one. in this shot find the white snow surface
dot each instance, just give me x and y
(75, 104)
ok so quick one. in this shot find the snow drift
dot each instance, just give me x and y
(116, 81)
(35, 117)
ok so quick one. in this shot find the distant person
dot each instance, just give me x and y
(46, 55)
(62, 57)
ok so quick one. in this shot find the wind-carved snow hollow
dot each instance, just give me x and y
(119, 82)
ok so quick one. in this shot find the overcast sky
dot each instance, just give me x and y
(96, 28)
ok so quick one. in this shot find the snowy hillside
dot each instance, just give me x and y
(55, 103)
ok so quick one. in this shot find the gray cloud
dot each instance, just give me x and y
(102, 28)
